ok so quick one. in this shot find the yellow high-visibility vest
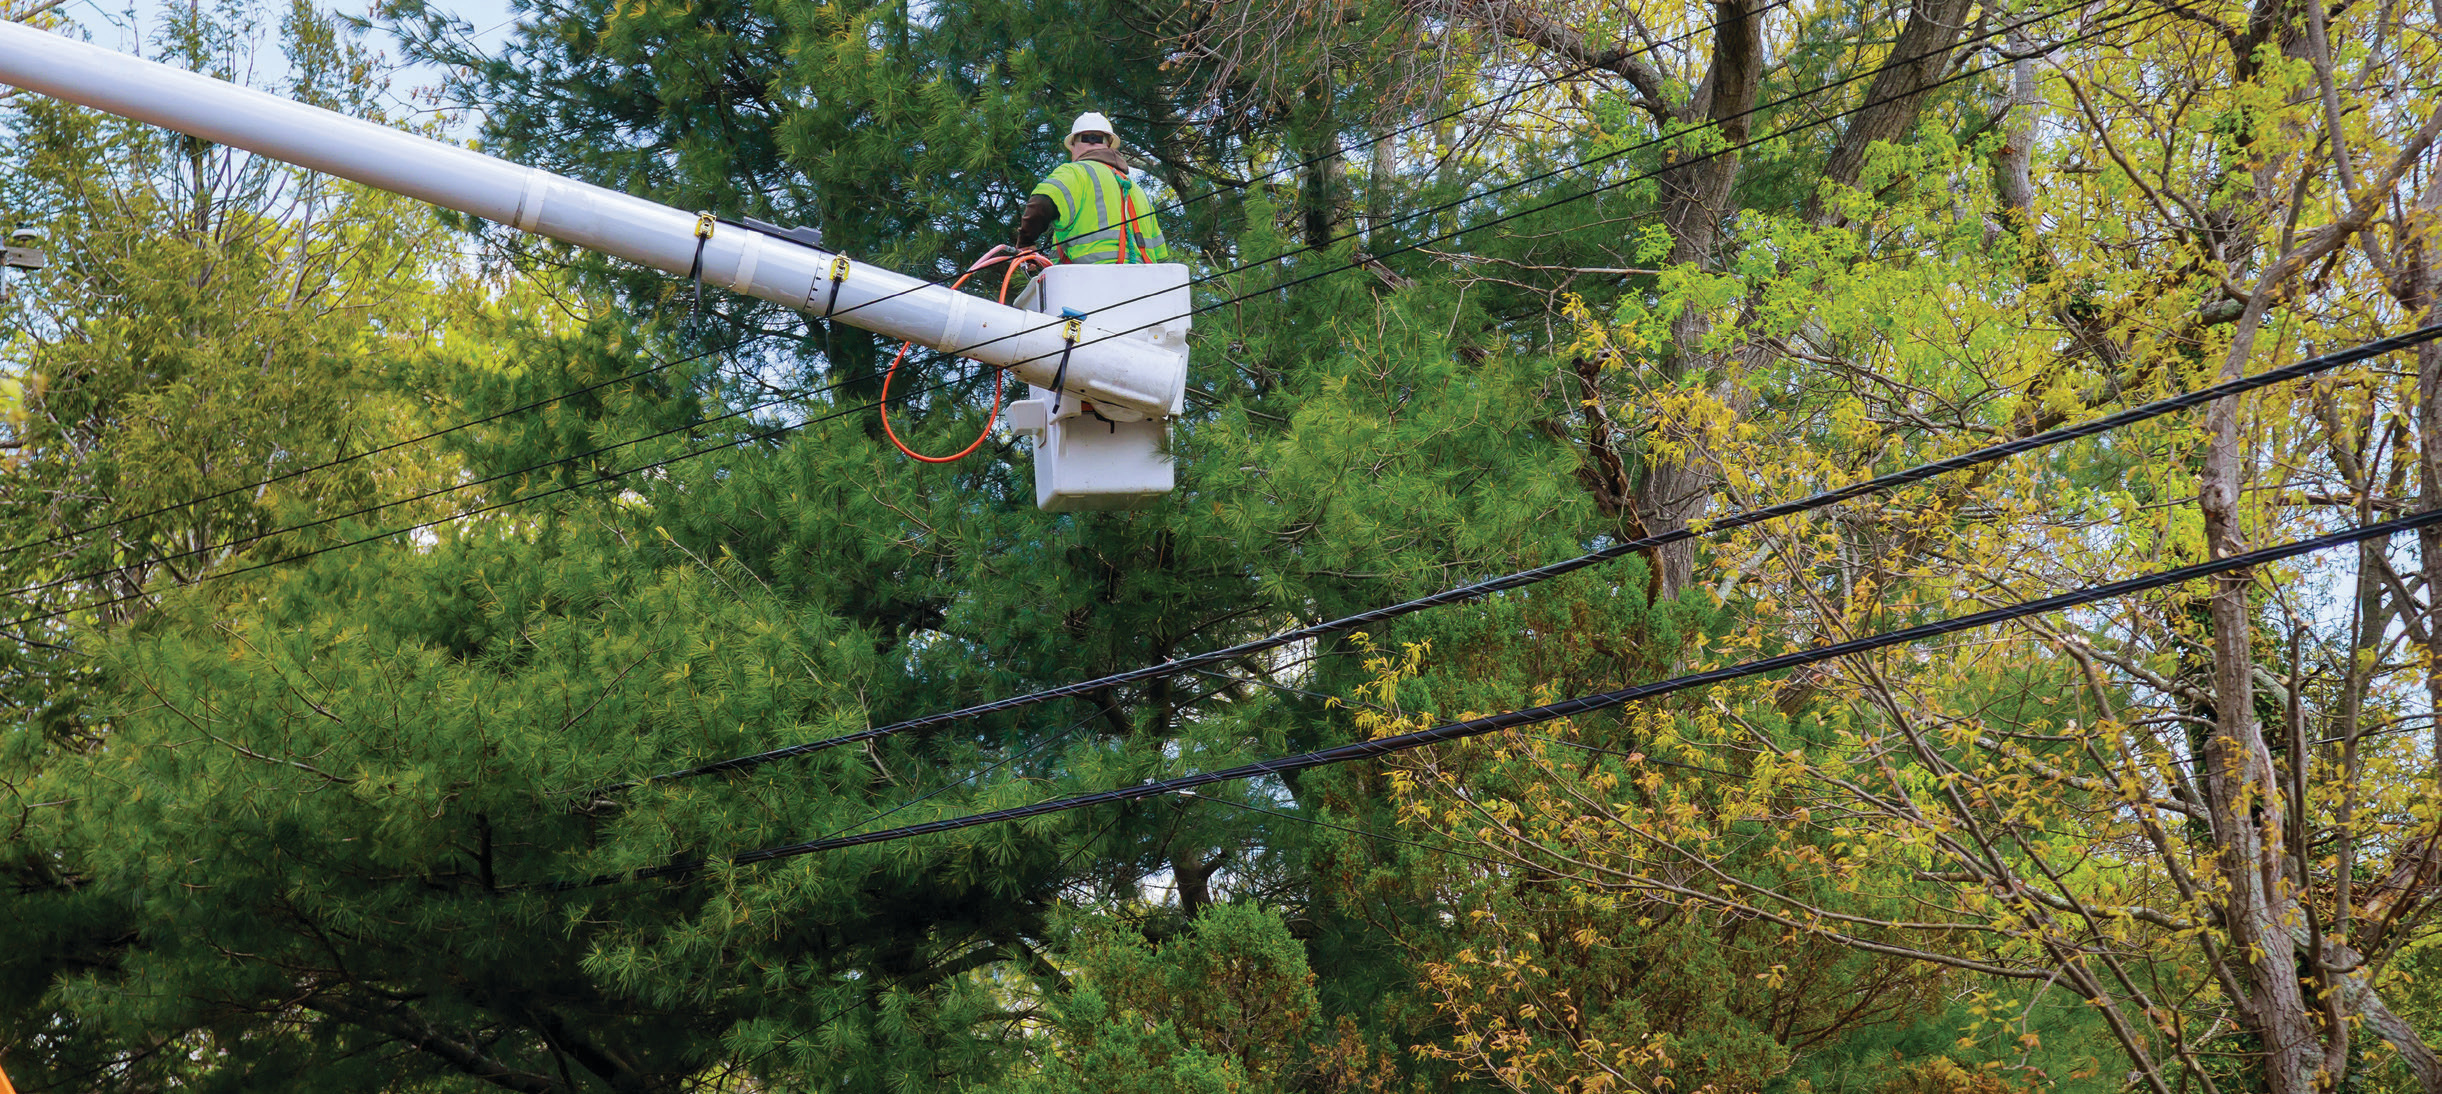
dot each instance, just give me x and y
(1093, 200)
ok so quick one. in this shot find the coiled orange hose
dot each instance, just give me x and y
(999, 376)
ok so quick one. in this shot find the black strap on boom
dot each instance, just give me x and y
(839, 276)
(1068, 336)
(695, 270)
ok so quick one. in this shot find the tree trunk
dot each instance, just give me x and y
(2242, 796)
(2014, 165)
(1319, 182)
(1917, 60)
(1694, 203)
(2421, 276)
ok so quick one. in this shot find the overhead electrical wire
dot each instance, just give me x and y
(1193, 311)
(1603, 62)
(748, 410)
(1534, 715)
(606, 477)
(441, 491)
(2405, 724)
(1034, 750)
(1361, 833)
(420, 438)
(1608, 60)
(1304, 693)
(257, 537)
(1520, 579)
(1454, 233)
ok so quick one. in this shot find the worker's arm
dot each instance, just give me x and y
(1040, 215)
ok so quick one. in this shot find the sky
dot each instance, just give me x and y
(112, 24)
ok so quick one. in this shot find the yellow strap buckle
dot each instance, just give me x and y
(703, 225)
(839, 268)
(1072, 329)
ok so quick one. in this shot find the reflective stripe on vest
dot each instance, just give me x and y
(1090, 206)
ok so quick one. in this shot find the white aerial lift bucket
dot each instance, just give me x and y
(1094, 455)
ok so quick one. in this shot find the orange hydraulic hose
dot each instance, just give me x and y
(999, 376)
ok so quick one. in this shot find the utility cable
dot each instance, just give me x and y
(1412, 246)
(1603, 62)
(1193, 311)
(420, 438)
(439, 491)
(1036, 749)
(1351, 830)
(1303, 693)
(1598, 189)
(257, 537)
(978, 773)
(1643, 758)
(1525, 716)
(609, 476)
(1522, 578)
(1005, 761)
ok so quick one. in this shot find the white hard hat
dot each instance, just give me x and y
(1090, 122)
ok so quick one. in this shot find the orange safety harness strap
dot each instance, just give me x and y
(1131, 242)
(1131, 246)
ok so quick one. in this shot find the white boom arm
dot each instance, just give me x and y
(1126, 372)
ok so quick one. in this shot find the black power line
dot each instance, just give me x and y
(1036, 749)
(1879, 484)
(1604, 187)
(1361, 833)
(420, 438)
(748, 410)
(1603, 62)
(439, 492)
(608, 476)
(1794, 97)
(1292, 689)
(1599, 63)
(1584, 704)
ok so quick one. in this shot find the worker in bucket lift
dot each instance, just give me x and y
(1093, 211)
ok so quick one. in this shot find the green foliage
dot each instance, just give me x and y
(1226, 1005)
(294, 830)
(210, 325)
